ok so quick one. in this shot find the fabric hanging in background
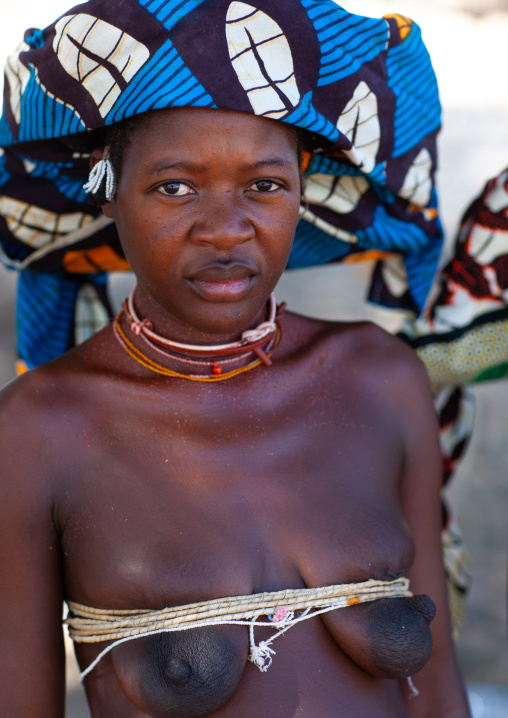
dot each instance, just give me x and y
(462, 339)
(462, 335)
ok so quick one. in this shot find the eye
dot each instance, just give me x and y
(265, 186)
(175, 189)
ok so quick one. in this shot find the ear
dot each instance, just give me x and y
(96, 156)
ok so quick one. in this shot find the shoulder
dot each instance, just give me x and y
(395, 386)
(26, 447)
(29, 410)
(65, 381)
(362, 345)
(42, 415)
(37, 396)
(391, 371)
(377, 368)
(387, 357)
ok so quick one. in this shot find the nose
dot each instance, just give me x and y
(223, 222)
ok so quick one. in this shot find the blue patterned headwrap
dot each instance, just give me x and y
(365, 86)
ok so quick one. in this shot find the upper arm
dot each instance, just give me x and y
(31, 645)
(439, 683)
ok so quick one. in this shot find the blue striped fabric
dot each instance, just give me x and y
(378, 176)
(312, 247)
(42, 115)
(165, 70)
(11, 254)
(70, 187)
(330, 166)
(385, 232)
(5, 175)
(305, 115)
(6, 135)
(170, 13)
(45, 312)
(412, 79)
(347, 41)
(45, 315)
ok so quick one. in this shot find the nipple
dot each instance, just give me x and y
(178, 671)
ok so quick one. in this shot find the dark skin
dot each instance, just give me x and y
(122, 488)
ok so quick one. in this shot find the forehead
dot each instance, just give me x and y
(195, 131)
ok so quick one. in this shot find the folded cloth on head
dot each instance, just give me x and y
(363, 89)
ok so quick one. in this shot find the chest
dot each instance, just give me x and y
(177, 503)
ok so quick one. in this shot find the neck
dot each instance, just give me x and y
(166, 325)
(254, 345)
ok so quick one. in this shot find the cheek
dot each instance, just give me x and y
(142, 237)
(282, 232)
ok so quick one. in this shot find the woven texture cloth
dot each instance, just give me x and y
(363, 87)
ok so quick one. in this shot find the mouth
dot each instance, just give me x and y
(223, 284)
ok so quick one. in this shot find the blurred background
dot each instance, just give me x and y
(467, 41)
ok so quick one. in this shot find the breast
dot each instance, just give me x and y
(184, 674)
(388, 638)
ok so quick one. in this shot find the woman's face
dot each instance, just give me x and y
(206, 209)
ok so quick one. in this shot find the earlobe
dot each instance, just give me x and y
(107, 210)
(96, 156)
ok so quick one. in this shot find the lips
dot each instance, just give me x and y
(221, 283)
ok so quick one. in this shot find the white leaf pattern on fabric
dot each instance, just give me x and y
(36, 226)
(486, 245)
(262, 59)
(28, 165)
(463, 310)
(17, 76)
(497, 199)
(330, 229)
(417, 185)
(394, 275)
(359, 122)
(341, 194)
(99, 55)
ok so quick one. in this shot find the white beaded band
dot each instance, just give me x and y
(102, 169)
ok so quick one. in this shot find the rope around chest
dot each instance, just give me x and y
(93, 625)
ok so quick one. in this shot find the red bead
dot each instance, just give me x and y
(216, 369)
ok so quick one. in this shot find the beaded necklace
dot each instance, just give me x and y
(261, 340)
(251, 339)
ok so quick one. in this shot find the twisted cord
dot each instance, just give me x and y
(93, 625)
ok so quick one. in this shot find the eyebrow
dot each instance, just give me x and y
(159, 167)
(163, 166)
(272, 161)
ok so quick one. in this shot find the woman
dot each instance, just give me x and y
(269, 452)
